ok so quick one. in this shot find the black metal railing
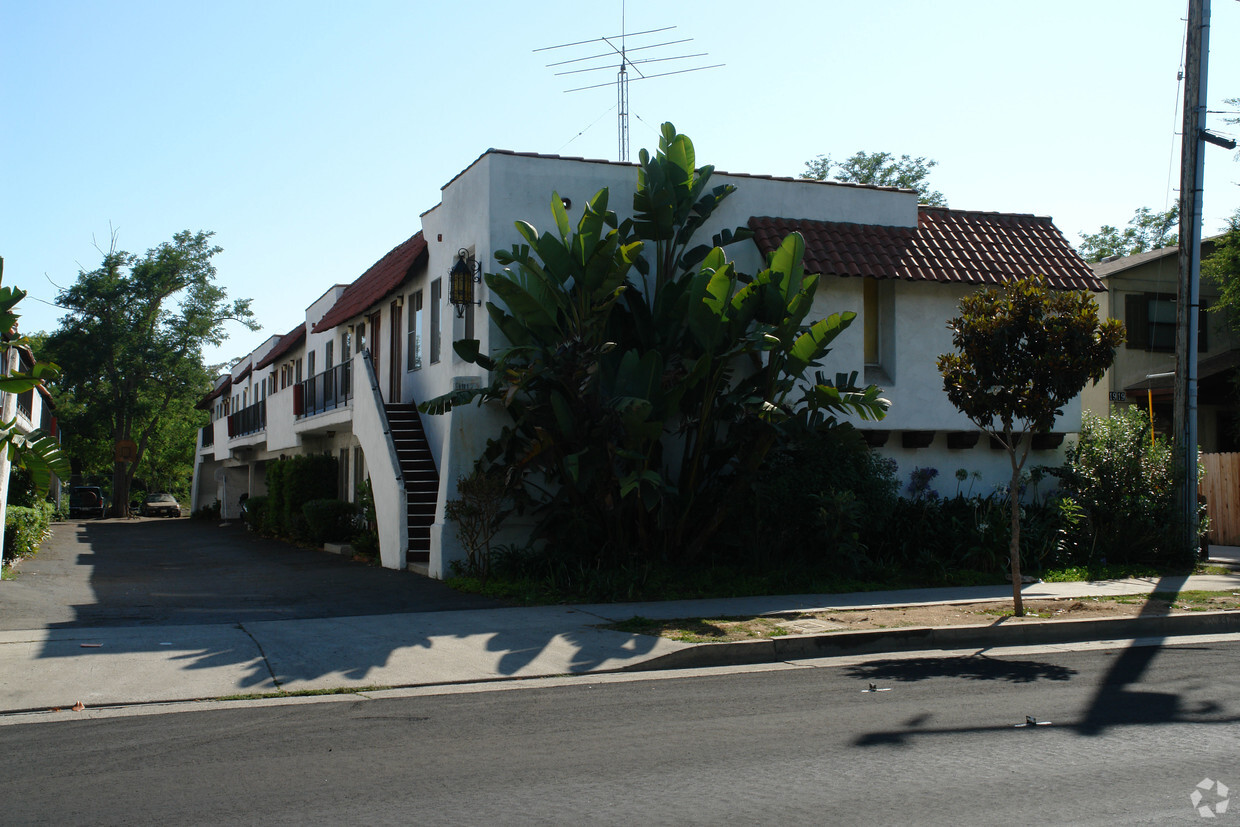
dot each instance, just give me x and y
(249, 420)
(331, 389)
(208, 435)
(25, 403)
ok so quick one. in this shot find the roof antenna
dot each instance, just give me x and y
(618, 46)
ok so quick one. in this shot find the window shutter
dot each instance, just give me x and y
(1137, 320)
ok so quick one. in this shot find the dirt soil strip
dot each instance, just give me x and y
(720, 630)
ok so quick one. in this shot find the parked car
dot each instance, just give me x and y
(86, 501)
(160, 505)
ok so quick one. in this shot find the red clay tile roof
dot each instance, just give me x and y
(287, 342)
(946, 246)
(384, 276)
(205, 403)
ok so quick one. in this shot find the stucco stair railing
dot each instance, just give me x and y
(417, 467)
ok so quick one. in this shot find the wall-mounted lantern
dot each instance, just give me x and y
(465, 273)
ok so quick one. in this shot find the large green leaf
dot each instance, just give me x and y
(814, 343)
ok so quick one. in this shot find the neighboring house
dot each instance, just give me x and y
(1142, 293)
(346, 382)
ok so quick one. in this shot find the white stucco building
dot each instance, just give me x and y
(347, 380)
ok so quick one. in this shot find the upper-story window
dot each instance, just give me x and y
(1150, 322)
(297, 372)
(436, 301)
(415, 332)
(310, 363)
(328, 361)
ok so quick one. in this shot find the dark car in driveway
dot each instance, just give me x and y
(86, 501)
(160, 505)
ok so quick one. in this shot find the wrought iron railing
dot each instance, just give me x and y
(208, 435)
(249, 420)
(331, 389)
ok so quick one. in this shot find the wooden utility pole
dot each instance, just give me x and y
(1192, 163)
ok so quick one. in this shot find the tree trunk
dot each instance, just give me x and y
(1018, 605)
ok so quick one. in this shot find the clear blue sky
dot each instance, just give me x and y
(310, 135)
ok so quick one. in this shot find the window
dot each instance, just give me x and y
(360, 332)
(869, 310)
(414, 358)
(878, 329)
(345, 341)
(436, 300)
(328, 361)
(310, 364)
(297, 373)
(1150, 320)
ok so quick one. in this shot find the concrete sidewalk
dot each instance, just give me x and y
(106, 666)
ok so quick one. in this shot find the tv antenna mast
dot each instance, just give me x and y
(617, 46)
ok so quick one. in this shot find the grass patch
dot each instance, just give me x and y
(1084, 574)
(7, 573)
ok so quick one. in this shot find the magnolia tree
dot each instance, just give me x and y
(1022, 353)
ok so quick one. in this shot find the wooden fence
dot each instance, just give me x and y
(1221, 488)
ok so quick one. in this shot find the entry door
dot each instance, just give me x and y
(396, 366)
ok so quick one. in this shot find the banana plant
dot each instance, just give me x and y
(36, 451)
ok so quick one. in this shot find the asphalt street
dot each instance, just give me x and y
(180, 571)
(1130, 734)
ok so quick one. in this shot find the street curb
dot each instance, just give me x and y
(918, 638)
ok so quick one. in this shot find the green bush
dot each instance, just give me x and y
(1126, 492)
(813, 502)
(254, 513)
(330, 521)
(208, 512)
(25, 528)
(291, 483)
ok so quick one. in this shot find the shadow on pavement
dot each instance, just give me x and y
(976, 667)
(182, 595)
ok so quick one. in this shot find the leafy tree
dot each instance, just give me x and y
(632, 425)
(881, 169)
(1146, 230)
(132, 349)
(1223, 268)
(1022, 353)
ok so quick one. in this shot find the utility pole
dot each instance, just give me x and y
(1192, 164)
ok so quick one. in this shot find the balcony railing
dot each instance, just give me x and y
(249, 420)
(208, 435)
(331, 389)
(25, 403)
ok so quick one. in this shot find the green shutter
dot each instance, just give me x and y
(1137, 320)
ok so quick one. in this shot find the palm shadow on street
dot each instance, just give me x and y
(1117, 700)
(218, 594)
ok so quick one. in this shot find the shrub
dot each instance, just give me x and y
(330, 521)
(25, 528)
(477, 515)
(208, 512)
(1126, 489)
(815, 501)
(291, 483)
(254, 512)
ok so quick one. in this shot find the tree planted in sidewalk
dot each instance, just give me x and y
(1022, 353)
(131, 346)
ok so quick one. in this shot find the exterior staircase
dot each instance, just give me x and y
(417, 467)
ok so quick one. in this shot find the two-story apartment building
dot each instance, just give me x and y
(347, 380)
(1142, 293)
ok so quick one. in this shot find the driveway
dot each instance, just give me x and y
(180, 571)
